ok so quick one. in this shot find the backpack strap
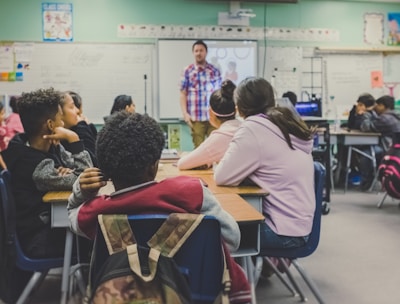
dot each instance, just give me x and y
(117, 232)
(174, 232)
(172, 235)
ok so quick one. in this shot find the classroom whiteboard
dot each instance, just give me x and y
(348, 76)
(98, 72)
(175, 55)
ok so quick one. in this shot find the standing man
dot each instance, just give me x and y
(199, 80)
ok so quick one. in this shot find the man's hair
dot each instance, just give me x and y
(387, 101)
(127, 145)
(201, 42)
(120, 103)
(366, 99)
(36, 107)
(292, 97)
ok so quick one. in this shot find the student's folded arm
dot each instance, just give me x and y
(47, 178)
(75, 200)
(229, 228)
(240, 160)
(76, 157)
(198, 157)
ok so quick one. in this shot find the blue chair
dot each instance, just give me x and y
(200, 258)
(294, 253)
(39, 267)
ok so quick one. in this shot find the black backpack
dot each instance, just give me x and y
(389, 171)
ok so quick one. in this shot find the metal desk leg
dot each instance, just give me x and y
(349, 151)
(373, 159)
(66, 267)
(249, 268)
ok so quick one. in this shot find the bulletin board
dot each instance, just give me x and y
(98, 72)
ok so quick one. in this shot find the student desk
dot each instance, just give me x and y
(352, 138)
(252, 194)
(247, 217)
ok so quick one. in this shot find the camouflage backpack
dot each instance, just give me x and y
(136, 274)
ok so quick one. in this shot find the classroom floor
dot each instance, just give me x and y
(355, 263)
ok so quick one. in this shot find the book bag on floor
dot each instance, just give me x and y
(136, 274)
(389, 171)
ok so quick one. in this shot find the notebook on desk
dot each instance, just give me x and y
(169, 154)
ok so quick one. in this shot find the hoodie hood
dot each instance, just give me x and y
(297, 143)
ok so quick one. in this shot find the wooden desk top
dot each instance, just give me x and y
(207, 176)
(235, 205)
(241, 210)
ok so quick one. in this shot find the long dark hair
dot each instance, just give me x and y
(255, 95)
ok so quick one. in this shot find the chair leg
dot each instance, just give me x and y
(309, 282)
(292, 280)
(36, 278)
(280, 276)
(382, 200)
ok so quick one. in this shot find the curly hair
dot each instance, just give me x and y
(36, 107)
(221, 101)
(127, 145)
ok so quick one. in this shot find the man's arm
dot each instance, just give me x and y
(183, 102)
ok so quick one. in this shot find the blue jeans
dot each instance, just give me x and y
(269, 239)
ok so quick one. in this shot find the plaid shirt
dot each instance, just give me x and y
(198, 83)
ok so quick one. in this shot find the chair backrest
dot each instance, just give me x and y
(8, 206)
(200, 258)
(313, 240)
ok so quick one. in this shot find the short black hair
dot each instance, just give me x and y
(36, 107)
(127, 145)
(14, 103)
(201, 42)
(120, 103)
(387, 101)
(366, 99)
(292, 97)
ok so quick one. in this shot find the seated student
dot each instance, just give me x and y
(364, 106)
(38, 164)
(386, 121)
(122, 102)
(74, 120)
(13, 121)
(4, 135)
(291, 96)
(272, 149)
(129, 148)
(222, 116)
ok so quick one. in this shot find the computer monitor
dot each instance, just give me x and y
(309, 108)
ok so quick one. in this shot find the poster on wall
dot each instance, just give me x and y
(57, 21)
(394, 29)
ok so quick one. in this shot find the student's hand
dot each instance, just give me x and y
(61, 133)
(91, 180)
(188, 120)
(62, 171)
